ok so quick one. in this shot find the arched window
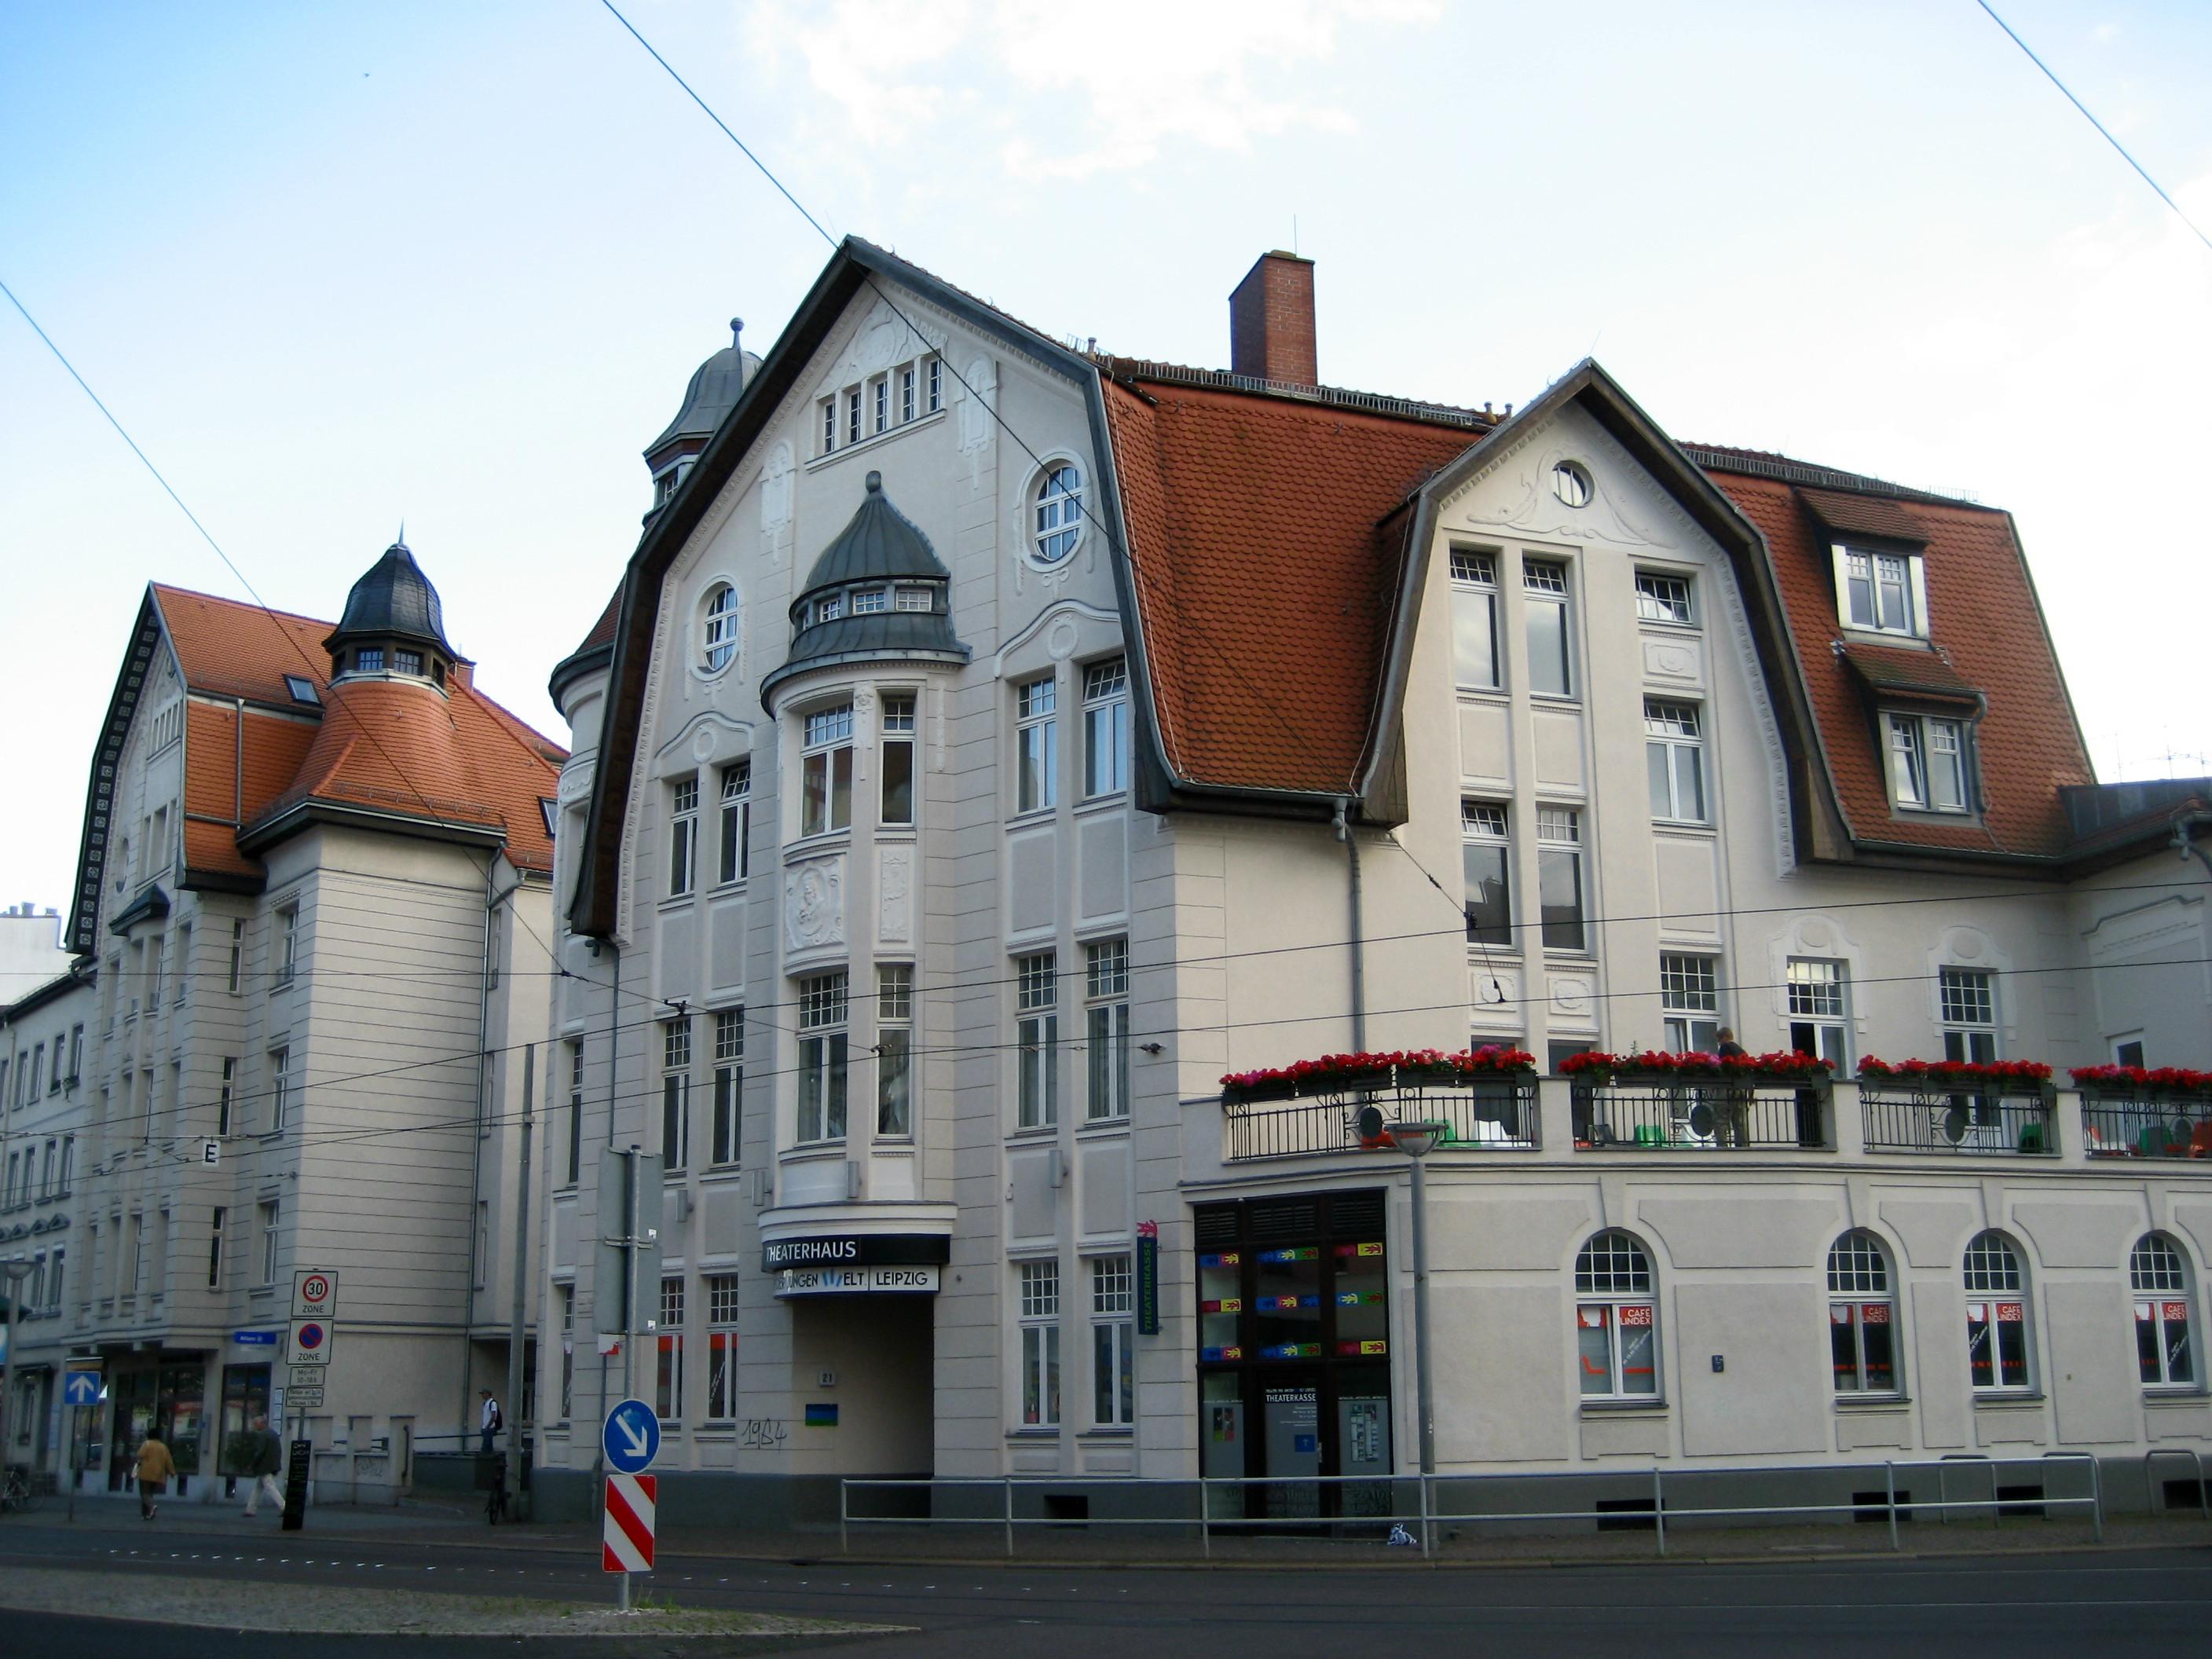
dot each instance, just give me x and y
(719, 628)
(1998, 1345)
(1861, 1316)
(1616, 1319)
(1059, 511)
(2159, 1275)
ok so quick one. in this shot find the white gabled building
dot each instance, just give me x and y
(992, 745)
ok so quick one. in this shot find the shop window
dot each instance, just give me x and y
(1861, 1316)
(1616, 1319)
(2158, 1273)
(1998, 1349)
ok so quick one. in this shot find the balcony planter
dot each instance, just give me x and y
(1657, 1067)
(1396, 1071)
(2019, 1077)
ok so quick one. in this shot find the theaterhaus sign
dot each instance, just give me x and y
(825, 1264)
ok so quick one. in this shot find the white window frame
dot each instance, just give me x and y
(718, 627)
(1056, 505)
(1872, 573)
(1547, 586)
(668, 1351)
(288, 950)
(271, 1217)
(1558, 845)
(1113, 1341)
(895, 1050)
(1927, 762)
(729, 1086)
(1037, 1288)
(879, 404)
(935, 374)
(1690, 1001)
(1966, 1012)
(2165, 1294)
(1486, 839)
(1995, 1275)
(906, 394)
(1037, 1040)
(722, 1293)
(1106, 1030)
(1105, 727)
(734, 856)
(1675, 761)
(676, 1094)
(1616, 1292)
(1817, 991)
(1666, 599)
(1862, 1296)
(683, 836)
(1037, 744)
(1474, 620)
(829, 426)
(852, 415)
(280, 1089)
(823, 1057)
(901, 755)
(825, 771)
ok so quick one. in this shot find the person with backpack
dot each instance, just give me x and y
(155, 1466)
(493, 1422)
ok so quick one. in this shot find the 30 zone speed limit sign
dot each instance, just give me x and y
(314, 1293)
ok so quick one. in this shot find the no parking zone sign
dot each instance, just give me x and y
(626, 1545)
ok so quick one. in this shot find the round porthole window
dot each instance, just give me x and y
(1571, 483)
(718, 627)
(1059, 506)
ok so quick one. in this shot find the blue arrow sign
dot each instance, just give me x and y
(80, 1387)
(631, 1438)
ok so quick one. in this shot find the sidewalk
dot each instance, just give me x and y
(458, 1524)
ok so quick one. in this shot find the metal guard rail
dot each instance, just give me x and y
(1427, 1516)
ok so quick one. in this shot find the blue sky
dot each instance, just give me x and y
(334, 267)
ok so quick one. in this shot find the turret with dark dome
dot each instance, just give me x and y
(878, 592)
(392, 623)
(715, 386)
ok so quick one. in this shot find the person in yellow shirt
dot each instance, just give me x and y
(155, 1466)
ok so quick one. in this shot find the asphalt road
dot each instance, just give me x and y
(2109, 1603)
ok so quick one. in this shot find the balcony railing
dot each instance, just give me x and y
(1985, 1121)
(2147, 1125)
(1673, 1115)
(1477, 1117)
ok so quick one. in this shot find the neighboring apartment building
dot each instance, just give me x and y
(993, 745)
(30, 950)
(42, 1122)
(314, 879)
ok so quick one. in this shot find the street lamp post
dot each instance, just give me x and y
(1417, 1141)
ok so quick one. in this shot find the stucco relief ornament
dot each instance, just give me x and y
(1538, 510)
(775, 489)
(814, 905)
(894, 922)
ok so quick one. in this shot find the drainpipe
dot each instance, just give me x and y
(493, 899)
(1342, 821)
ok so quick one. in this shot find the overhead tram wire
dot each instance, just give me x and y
(2052, 74)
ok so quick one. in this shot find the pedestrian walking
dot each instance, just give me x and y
(155, 1466)
(265, 1458)
(493, 1422)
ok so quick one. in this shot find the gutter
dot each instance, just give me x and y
(1341, 823)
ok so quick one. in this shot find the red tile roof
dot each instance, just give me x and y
(1903, 670)
(1984, 617)
(1264, 571)
(397, 748)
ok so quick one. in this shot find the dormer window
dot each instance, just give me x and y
(830, 607)
(915, 598)
(1881, 593)
(301, 688)
(1927, 762)
(369, 660)
(868, 599)
(407, 662)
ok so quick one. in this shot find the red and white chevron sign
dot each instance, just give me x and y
(627, 1545)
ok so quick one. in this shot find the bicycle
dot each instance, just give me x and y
(18, 1493)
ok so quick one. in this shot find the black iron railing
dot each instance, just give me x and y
(1477, 1117)
(2149, 1125)
(1627, 1113)
(1990, 1121)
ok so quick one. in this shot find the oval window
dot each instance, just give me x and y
(1571, 483)
(718, 622)
(1059, 511)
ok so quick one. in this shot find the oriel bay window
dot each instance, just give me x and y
(1474, 619)
(821, 1057)
(2159, 1275)
(1486, 857)
(1997, 1346)
(1616, 1319)
(825, 771)
(1861, 1316)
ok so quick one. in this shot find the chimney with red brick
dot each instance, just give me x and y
(1270, 321)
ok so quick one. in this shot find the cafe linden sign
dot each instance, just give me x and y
(846, 1264)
